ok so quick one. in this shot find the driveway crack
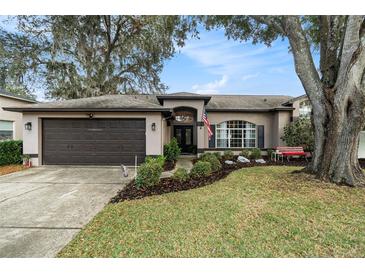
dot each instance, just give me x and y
(21, 194)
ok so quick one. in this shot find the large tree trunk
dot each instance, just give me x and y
(337, 98)
(335, 156)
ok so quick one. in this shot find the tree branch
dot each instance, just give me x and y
(270, 21)
(351, 46)
(304, 65)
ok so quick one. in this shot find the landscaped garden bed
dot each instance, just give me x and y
(218, 169)
(167, 185)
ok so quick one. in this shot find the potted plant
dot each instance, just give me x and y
(27, 161)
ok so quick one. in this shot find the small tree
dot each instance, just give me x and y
(299, 133)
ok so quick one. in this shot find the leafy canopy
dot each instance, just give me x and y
(83, 56)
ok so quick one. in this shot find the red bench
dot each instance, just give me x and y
(289, 151)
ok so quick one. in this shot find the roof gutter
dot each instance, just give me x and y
(25, 109)
(18, 98)
(249, 109)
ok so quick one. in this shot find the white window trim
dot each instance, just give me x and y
(229, 135)
(13, 131)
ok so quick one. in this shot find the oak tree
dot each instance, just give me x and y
(83, 56)
(336, 89)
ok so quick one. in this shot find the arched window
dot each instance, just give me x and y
(235, 134)
(184, 116)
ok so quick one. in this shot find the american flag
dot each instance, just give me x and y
(207, 124)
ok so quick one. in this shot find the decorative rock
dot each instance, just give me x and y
(261, 161)
(243, 159)
(228, 162)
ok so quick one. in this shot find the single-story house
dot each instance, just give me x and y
(118, 129)
(11, 124)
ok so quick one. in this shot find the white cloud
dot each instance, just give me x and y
(241, 63)
(211, 87)
(249, 76)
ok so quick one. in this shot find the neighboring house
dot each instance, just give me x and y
(114, 129)
(11, 124)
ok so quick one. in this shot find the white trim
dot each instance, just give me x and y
(229, 135)
(13, 130)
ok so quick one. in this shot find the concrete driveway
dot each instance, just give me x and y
(41, 209)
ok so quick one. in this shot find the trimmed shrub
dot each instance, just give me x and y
(171, 150)
(299, 133)
(218, 155)
(255, 153)
(181, 175)
(11, 152)
(201, 169)
(245, 153)
(148, 174)
(160, 159)
(215, 164)
(228, 155)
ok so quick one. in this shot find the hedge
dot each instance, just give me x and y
(11, 152)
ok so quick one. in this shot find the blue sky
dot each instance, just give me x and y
(215, 65)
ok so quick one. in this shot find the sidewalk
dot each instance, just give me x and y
(184, 161)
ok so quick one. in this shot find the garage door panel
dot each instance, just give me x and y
(93, 141)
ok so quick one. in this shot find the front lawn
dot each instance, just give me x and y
(10, 169)
(254, 212)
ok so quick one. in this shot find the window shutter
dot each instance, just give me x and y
(212, 139)
(260, 137)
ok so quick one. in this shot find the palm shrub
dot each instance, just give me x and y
(148, 174)
(245, 153)
(218, 155)
(201, 169)
(213, 160)
(255, 153)
(228, 155)
(11, 152)
(181, 175)
(160, 159)
(172, 150)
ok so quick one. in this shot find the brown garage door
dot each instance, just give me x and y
(93, 141)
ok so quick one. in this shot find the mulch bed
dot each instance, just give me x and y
(11, 168)
(169, 166)
(167, 185)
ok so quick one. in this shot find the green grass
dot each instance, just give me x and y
(254, 212)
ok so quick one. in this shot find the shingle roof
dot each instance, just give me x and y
(113, 102)
(247, 102)
(293, 99)
(12, 95)
(151, 103)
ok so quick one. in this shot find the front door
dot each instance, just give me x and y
(184, 136)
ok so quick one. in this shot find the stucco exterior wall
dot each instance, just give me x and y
(199, 106)
(273, 123)
(264, 118)
(15, 117)
(281, 119)
(296, 106)
(32, 143)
